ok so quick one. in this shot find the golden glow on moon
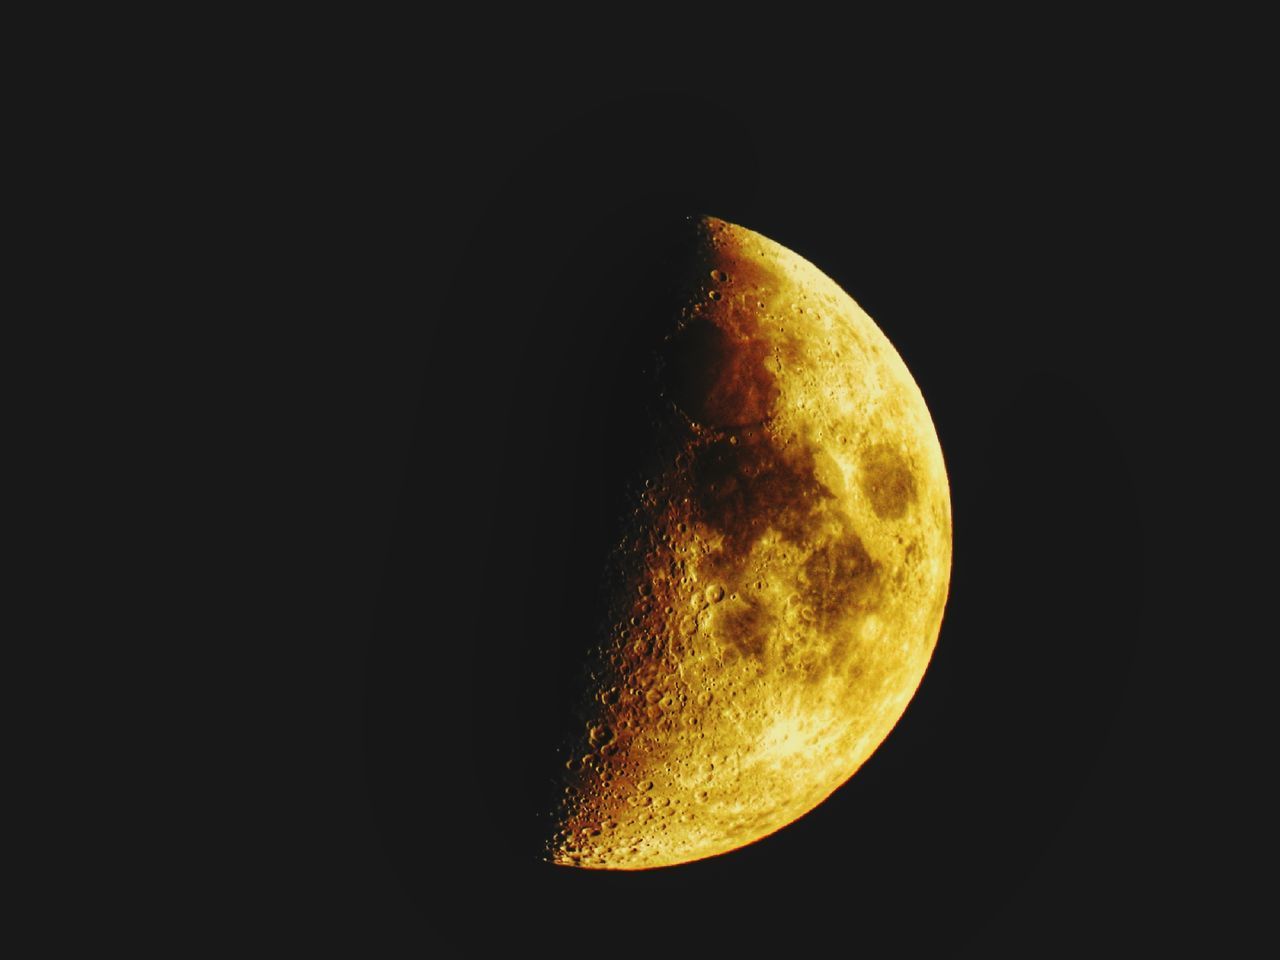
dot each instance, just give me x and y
(780, 590)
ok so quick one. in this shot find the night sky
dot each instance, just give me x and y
(443, 502)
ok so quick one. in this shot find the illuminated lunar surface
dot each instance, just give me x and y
(780, 588)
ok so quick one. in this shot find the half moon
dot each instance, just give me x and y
(780, 587)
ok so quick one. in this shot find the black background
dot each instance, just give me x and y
(435, 416)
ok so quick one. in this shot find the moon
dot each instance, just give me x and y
(779, 589)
